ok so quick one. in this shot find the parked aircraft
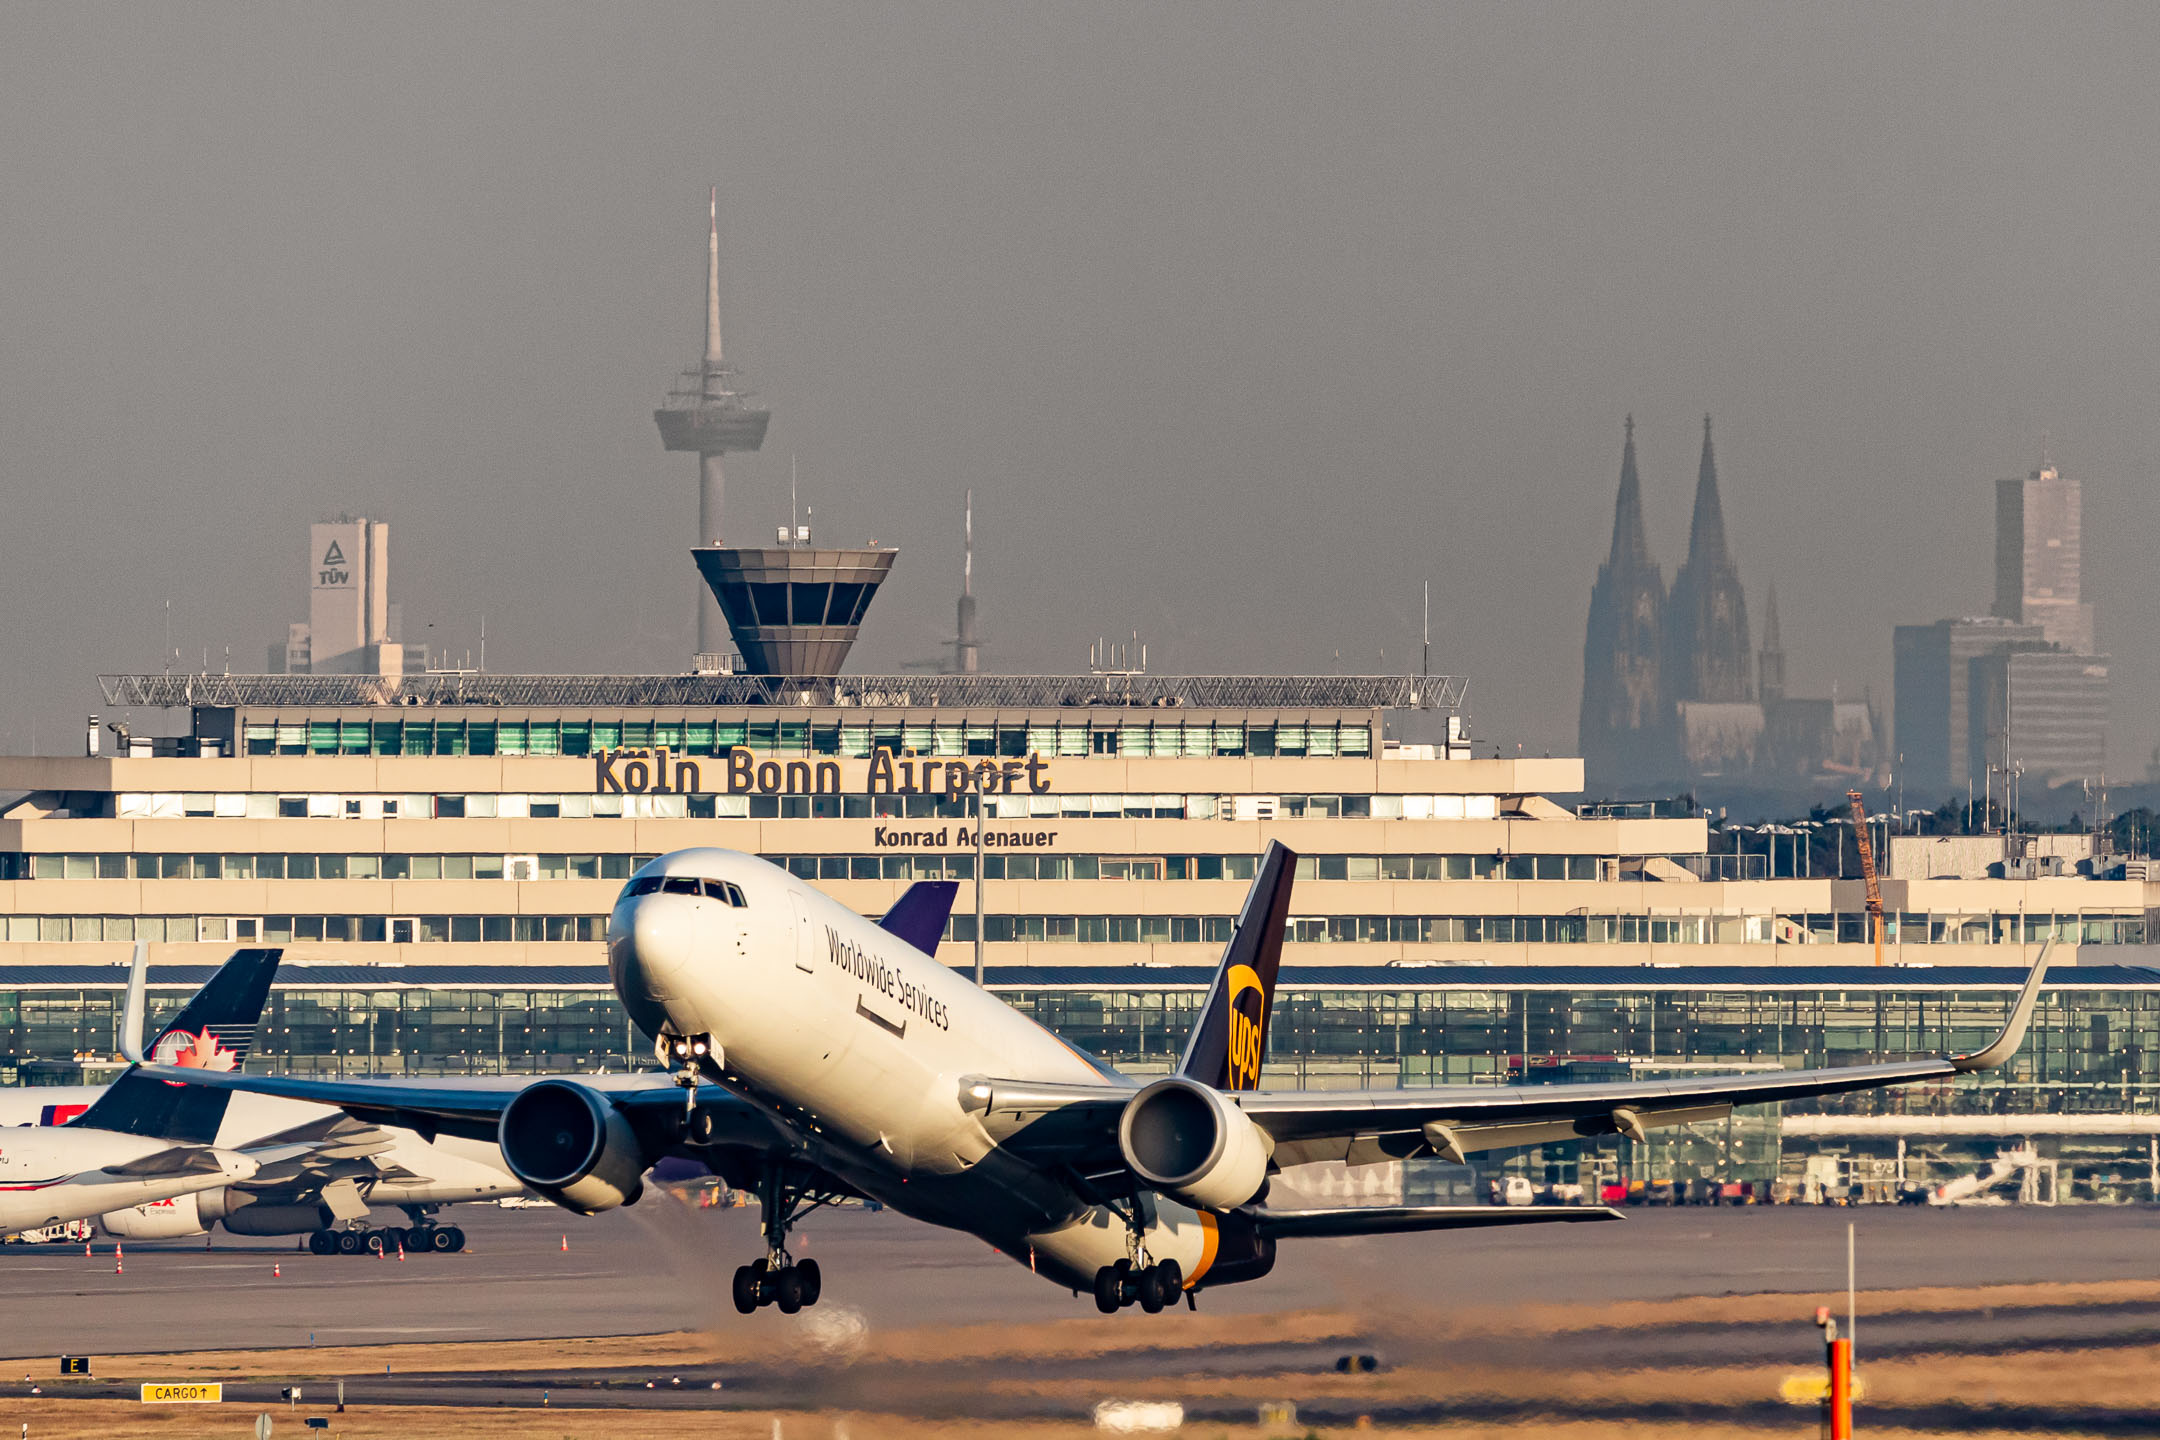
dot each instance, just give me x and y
(315, 1170)
(52, 1175)
(822, 1056)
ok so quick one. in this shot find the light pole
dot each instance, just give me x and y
(978, 880)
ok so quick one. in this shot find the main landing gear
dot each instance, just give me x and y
(1136, 1280)
(1151, 1287)
(419, 1240)
(780, 1279)
(791, 1286)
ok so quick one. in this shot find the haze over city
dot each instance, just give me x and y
(1241, 324)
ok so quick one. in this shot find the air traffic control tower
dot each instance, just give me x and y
(706, 415)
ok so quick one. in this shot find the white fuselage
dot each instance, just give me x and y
(52, 1175)
(447, 1170)
(867, 1046)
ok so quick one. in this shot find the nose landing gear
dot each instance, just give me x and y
(687, 1056)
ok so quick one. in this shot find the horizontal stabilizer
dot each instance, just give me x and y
(919, 916)
(1401, 1219)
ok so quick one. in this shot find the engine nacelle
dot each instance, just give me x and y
(246, 1215)
(566, 1142)
(1188, 1141)
(160, 1219)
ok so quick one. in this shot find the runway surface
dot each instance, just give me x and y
(663, 1267)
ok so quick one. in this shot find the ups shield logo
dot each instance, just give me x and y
(1247, 1018)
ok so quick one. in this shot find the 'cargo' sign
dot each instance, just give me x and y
(741, 772)
(211, 1394)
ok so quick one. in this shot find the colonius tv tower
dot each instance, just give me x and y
(707, 415)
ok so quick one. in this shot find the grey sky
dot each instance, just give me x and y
(1242, 322)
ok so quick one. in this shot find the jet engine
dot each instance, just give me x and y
(1188, 1141)
(566, 1142)
(163, 1219)
(245, 1215)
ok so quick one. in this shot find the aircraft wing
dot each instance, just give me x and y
(1076, 1124)
(183, 1160)
(1402, 1219)
(1362, 1126)
(444, 1107)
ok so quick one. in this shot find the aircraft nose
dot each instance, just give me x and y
(656, 953)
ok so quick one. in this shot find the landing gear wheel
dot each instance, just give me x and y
(813, 1281)
(420, 1239)
(322, 1242)
(349, 1242)
(1151, 1296)
(746, 1290)
(787, 1290)
(438, 1240)
(1109, 1290)
(1170, 1281)
(373, 1242)
(449, 1239)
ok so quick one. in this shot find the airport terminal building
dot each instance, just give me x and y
(491, 820)
(438, 855)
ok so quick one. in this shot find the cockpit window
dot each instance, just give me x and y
(725, 893)
(643, 885)
(681, 885)
(735, 897)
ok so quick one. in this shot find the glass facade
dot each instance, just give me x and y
(2094, 1047)
(707, 735)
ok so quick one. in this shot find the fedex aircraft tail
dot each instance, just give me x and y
(214, 1031)
(1229, 1041)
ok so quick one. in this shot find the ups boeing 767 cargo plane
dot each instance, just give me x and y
(824, 1056)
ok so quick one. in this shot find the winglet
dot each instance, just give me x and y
(2003, 1046)
(131, 1019)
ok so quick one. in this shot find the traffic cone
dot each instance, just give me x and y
(277, 1271)
(86, 1249)
(401, 1252)
(117, 1267)
(566, 1244)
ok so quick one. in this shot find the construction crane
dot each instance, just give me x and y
(1867, 868)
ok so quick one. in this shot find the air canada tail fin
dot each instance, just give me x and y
(214, 1031)
(919, 916)
(1229, 1041)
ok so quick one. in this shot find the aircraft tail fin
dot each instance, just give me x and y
(919, 916)
(214, 1031)
(1229, 1040)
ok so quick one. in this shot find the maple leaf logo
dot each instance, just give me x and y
(195, 1052)
(204, 1053)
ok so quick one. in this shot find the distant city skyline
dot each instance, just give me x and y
(1242, 332)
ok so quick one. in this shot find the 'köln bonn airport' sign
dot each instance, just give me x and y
(741, 772)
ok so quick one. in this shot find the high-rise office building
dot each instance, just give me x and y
(2040, 713)
(2039, 559)
(1933, 697)
(351, 627)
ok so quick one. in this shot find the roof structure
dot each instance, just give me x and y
(1010, 692)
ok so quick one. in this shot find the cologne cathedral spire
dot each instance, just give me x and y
(1708, 656)
(1625, 730)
